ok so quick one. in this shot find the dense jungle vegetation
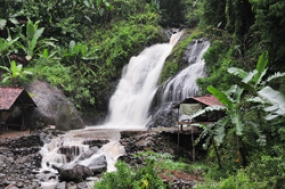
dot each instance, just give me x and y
(81, 46)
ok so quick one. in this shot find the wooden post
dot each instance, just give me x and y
(193, 143)
(178, 128)
(23, 118)
(0, 117)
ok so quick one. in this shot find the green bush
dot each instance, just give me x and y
(127, 178)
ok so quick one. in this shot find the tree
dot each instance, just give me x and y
(239, 102)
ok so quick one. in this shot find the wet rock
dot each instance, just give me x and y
(89, 153)
(73, 173)
(61, 185)
(20, 184)
(99, 161)
(82, 185)
(53, 108)
(98, 169)
(71, 185)
(13, 187)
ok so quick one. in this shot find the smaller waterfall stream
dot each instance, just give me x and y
(182, 85)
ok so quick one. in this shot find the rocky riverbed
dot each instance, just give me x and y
(20, 162)
(20, 158)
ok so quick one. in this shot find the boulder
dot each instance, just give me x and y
(73, 173)
(53, 108)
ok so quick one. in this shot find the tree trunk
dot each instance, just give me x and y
(217, 153)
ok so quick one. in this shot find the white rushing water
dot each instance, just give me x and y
(129, 105)
(183, 85)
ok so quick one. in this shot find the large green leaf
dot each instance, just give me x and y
(237, 121)
(275, 98)
(275, 76)
(219, 134)
(14, 20)
(13, 69)
(261, 65)
(30, 30)
(249, 76)
(34, 41)
(208, 109)
(5, 68)
(3, 23)
(71, 46)
(221, 96)
(237, 71)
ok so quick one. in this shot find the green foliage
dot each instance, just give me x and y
(164, 162)
(269, 24)
(7, 46)
(172, 11)
(31, 43)
(214, 13)
(194, 12)
(240, 108)
(240, 180)
(67, 18)
(15, 75)
(48, 68)
(216, 67)
(143, 178)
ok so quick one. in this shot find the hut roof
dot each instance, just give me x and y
(10, 96)
(209, 100)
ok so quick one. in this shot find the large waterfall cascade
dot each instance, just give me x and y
(129, 105)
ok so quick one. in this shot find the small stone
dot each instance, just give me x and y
(61, 185)
(2, 175)
(20, 184)
(82, 185)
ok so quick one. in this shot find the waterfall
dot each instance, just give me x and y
(183, 85)
(129, 105)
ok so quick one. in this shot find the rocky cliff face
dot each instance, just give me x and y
(53, 108)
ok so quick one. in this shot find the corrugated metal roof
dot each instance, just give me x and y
(10, 96)
(209, 100)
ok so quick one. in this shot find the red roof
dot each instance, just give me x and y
(10, 96)
(209, 100)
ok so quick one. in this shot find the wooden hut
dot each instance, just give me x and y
(10, 100)
(190, 106)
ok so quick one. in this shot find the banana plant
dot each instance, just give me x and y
(6, 45)
(14, 74)
(235, 99)
(254, 80)
(32, 44)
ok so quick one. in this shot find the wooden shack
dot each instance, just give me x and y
(14, 100)
(189, 106)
